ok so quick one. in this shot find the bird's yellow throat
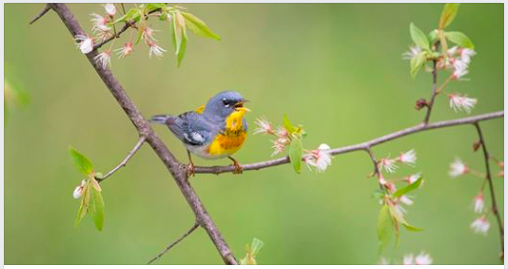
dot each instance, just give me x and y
(233, 136)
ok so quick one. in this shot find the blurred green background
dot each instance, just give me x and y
(335, 68)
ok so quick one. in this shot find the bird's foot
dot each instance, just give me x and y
(238, 168)
(190, 170)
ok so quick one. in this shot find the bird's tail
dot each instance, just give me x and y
(161, 119)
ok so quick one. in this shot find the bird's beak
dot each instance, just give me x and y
(239, 106)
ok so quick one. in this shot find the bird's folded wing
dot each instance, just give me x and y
(191, 128)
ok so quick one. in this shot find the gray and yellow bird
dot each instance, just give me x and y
(216, 130)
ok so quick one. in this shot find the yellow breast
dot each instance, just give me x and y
(231, 140)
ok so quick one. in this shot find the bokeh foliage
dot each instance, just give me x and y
(335, 68)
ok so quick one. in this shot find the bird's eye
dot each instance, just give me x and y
(226, 103)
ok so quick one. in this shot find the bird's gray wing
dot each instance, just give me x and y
(191, 128)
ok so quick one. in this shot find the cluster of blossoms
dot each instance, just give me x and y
(410, 259)
(319, 158)
(103, 29)
(457, 61)
(390, 165)
(459, 168)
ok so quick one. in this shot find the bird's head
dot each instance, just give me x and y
(225, 103)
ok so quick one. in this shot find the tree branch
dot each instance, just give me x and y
(494, 207)
(124, 162)
(362, 146)
(42, 13)
(192, 229)
(177, 170)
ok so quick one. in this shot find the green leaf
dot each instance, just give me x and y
(85, 202)
(288, 125)
(177, 33)
(412, 228)
(459, 39)
(97, 209)
(384, 227)
(417, 62)
(198, 27)
(183, 48)
(133, 14)
(448, 14)
(295, 154)
(81, 162)
(408, 188)
(152, 7)
(419, 37)
(432, 36)
(251, 252)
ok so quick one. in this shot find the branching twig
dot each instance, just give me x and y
(42, 13)
(192, 229)
(120, 32)
(177, 170)
(494, 208)
(362, 146)
(374, 161)
(138, 145)
(435, 92)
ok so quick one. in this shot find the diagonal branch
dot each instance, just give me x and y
(494, 207)
(362, 146)
(177, 170)
(192, 229)
(138, 145)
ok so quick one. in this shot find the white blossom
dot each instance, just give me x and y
(481, 225)
(125, 50)
(99, 23)
(405, 200)
(319, 158)
(85, 43)
(460, 71)
(462, 102)
(412, 53)
(104, 58)
(78, 191)
(110, 9)
(264, 126)
(148, 34)
(155, 49)
(408, 259)
(412, 178)
(453, 51)
(279, 145)
(388, 164)
(457, 168)
(479, 203)
(408, 157)
(466, 54)
(423, 259)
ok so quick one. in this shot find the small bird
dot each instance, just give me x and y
(215, 130)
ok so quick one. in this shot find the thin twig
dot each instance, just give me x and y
(434, 88)
(192, 229)
(383, 139)
(138, 145)
(494, 207)
(42, 13)
(374, 161)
